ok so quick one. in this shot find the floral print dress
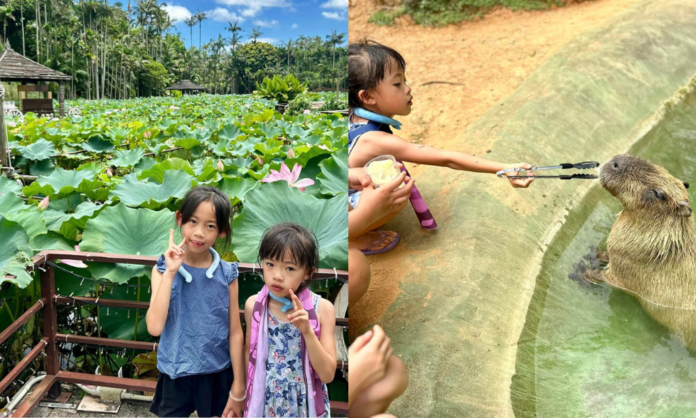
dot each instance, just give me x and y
(286, 390)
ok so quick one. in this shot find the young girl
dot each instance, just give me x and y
(290, 330)
(378, 92)
(194, 307)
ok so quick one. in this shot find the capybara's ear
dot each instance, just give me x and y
(686, 184)
(683, 208)
(650, 195)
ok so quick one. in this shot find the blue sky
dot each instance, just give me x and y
(280, 20)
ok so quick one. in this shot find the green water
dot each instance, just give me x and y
(594, 352)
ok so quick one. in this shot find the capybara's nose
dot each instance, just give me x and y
(619, 162)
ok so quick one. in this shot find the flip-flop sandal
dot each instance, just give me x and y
(386, 249)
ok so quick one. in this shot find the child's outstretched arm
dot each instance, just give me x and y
(322, 351)
(381, 143)
(236, 354)
(156, 316)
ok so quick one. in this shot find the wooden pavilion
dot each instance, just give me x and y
(16, 67)
(187, 87)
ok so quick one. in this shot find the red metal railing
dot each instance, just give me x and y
(48, 301)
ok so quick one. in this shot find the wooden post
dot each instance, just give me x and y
(61, 99)
(50, 322)
(3, 132)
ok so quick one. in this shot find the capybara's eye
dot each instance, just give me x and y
(686, 184)
(615, 165)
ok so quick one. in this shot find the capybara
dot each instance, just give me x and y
(652, 246)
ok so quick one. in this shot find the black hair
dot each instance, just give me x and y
(368, 63)
(220, 201)
(292, 239)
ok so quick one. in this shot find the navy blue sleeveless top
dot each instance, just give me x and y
(195, 338)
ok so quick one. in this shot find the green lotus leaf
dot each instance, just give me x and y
(63, 182)
(97, 144)
(42, 168)
(333, 178)
(236, 188)
(118, 133)
(9, 186)
(270, 132)
(128, 158)
(122, 230)
(153, 195)
(50, 241)
(69, 224)
(15, 253)
(274, 203)
(39, 150)
(187, 143)
(12, 207)
(229, 132)
(297, 132)
(220, 149)
(304, 153)
(156, 172)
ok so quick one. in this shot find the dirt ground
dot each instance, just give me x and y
(488, 59)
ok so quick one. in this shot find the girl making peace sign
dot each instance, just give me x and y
(290, 330)
(194, 307)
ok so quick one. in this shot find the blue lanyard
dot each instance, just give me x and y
(376, 117)
(287, 303)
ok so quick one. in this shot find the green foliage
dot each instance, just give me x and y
(299, 104)
(154, 78)
(445, 12)
(385, 18)
(335, 103)
(282, 90)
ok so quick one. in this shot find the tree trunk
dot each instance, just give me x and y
(38, 29)
(21, 13)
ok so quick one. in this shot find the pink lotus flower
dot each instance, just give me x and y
(291, 153)
(220, 166)
(290, 177)
(11, 124)
(307, 112)
(172, 107)
(147, 134)
(75, 263)
(44, 204)
(260, 161)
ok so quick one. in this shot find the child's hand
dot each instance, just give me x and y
(519, 183)
(357, 179)
(299, 318)
(388, 198)
(233, 408)
(369, 355)
(174, 255)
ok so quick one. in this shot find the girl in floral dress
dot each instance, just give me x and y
(290, 330)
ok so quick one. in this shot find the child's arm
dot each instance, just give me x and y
(382, 143)
(156, 315)
(322, 352)
(248, 310)
(161, 283)
(236, 352)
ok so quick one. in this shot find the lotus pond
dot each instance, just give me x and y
(110, 181)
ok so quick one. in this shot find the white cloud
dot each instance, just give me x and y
(178, 13)
(255, 6)
(223, 15)
(266, 23)
(294, 26)
(335, 4)
(333, 15)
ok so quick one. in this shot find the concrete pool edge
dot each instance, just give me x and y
(464, 363)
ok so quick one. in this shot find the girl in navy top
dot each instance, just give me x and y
(194, 309)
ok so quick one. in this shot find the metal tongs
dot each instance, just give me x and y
(565, 166)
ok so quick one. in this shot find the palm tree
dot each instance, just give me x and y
(200, 17)
(191, 22)
(235, 40)
(334, 39)
(255, 34)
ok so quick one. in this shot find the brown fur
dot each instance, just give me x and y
(652, 245)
